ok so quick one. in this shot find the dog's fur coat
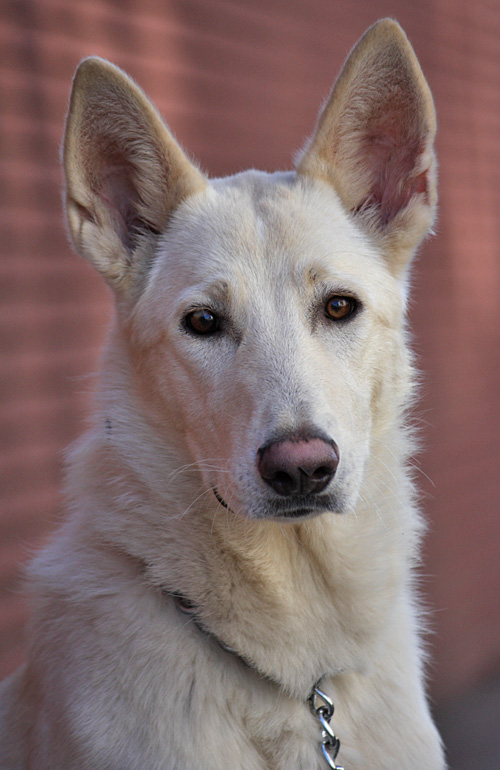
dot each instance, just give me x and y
(226, 349)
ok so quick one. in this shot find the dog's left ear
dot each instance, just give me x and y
(374, 143)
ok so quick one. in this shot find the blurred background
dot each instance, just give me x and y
(240, 83)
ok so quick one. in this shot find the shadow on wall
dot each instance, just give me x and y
(469, 727)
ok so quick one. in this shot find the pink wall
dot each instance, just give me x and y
(240, 83)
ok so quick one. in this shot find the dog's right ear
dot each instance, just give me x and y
(125, 173)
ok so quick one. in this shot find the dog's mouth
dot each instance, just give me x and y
(220, 499)
(300, 507)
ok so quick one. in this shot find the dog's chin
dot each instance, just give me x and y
(290, 509)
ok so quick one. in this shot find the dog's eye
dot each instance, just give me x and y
(339, 308)
(202, 322)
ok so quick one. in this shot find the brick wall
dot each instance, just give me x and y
(240, 82)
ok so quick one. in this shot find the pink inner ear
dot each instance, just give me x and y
(392, 155)
(117, 193)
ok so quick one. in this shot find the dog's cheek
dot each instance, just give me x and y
(159, 385)
(392, 384)
(194, 397)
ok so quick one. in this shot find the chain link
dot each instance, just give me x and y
(322, 708)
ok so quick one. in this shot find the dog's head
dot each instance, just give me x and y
(261, 315)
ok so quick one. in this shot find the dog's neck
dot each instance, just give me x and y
(282, 595)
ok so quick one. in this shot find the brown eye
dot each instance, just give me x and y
(202, 322)
(339, 308)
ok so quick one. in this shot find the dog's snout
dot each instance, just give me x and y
(300, 467)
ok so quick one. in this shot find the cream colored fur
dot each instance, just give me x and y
(117, 678)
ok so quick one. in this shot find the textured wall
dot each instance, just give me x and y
(240, 82)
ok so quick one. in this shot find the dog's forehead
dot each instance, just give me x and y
(264, 227)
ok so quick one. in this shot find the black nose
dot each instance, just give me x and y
(302, 467)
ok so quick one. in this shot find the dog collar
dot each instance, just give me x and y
(320, 704)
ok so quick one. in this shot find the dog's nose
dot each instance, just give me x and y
(302, 467)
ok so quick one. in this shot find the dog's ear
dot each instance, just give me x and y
(125, 173)
(374, 142)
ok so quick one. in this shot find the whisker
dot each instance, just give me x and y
(191, 505)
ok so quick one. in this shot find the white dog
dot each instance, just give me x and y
(243, 527)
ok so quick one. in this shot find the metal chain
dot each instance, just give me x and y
(322, 708)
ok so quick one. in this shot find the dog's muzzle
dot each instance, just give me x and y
(297, 469)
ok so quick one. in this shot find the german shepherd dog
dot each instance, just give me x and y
(243, 531)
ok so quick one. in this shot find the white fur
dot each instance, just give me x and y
(117, 678)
